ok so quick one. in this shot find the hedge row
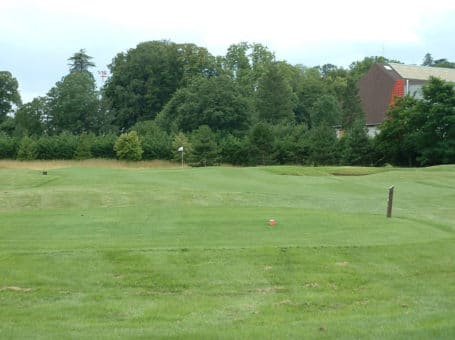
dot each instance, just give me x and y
(63, 146)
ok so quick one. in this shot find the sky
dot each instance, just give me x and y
(38, 36)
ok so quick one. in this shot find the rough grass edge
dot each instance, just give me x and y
(88, 163)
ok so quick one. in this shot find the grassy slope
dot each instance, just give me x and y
(188, 253)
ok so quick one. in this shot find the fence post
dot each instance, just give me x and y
(390, 202)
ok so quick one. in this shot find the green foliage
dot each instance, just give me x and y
(31, 118)
(80, 62)
(260, 144)
(84, 143)
(103, 146)
(350, 104)
(103, 120)
(155, 142)
(309, 87)
(283, 145)
(160, 88)
(290, 144)
(322, 146)
(246, 64)
(275, 99)
(181, 140)
(435, 123)
(342, 84)
(62, 146)
(28, 149)
(73, 104)
(429, 61)
(144, 79)
(9, 94)
(205, 148)
(443, 63)
(396, 141)
(195, 61)
(325, 111)
(356, 146)
(128, 146)
(234, 150)
(237, 63)
(8, 125)
(216, 102)
(8, 146)
(421, 131)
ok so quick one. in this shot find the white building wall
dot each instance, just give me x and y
(373, 130)
(415, 91)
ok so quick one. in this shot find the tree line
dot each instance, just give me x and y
(242, 108)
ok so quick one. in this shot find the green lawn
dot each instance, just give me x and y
(100, 252)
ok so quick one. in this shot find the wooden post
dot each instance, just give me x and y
(390, 202)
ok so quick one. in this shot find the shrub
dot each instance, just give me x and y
(84, 143)
(322, 146)
(260, 144)
(155, 142)
(103, 146)
(28, 149)
(356, 146)
(234, 150)
(128, 146)
(61, 146)
(205, 148)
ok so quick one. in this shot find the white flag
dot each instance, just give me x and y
(180, 149)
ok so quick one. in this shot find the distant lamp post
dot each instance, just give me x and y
(103, 75)
(180, 149)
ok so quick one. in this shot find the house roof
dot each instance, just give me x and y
(422, 72)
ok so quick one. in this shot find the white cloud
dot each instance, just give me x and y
(298, 31)
(284, 23)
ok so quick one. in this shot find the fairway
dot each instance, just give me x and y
(122, 252)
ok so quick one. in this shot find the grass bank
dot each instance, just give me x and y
(98, 251)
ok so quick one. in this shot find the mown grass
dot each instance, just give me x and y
(114, 252)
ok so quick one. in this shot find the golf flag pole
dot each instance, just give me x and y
(180, 149)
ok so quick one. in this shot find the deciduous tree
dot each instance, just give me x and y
(73, 104)
(146, 77)
(32, 118)
(435, 120)
(9, 94)
(326, 110)
(396, 143)
(215, 101)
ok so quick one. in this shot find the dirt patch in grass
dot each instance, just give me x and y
(15, 289)
(348, 174)
(285, 302)
(272, 289)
